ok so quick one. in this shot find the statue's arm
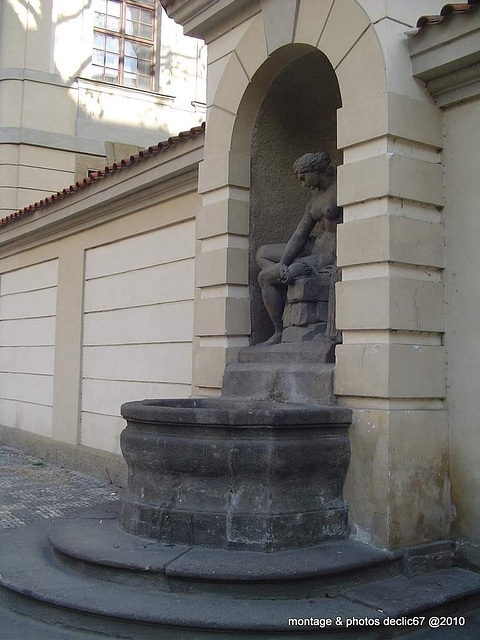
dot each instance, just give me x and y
(298, 239)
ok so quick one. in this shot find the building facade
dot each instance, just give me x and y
(85, 83)
(400, 98)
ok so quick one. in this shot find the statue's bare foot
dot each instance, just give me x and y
(299, 269)
(275, 339)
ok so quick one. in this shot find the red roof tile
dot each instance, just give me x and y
(447, 10)
(98, 175)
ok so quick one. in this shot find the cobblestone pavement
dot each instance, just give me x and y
(31, 489)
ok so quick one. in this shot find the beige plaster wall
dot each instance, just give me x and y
(462, 230)
(137, 327)
(28, 301)
(116, 324)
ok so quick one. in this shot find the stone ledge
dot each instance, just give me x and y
(101, 541)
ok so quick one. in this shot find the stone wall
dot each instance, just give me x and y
(462, 229)
(97, 309)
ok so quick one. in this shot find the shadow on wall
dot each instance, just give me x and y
(297, 115)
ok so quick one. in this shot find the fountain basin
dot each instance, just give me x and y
(235, 474)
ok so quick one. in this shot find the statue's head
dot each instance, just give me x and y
(314, 163)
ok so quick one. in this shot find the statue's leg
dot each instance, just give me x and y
(274, 296)
(269, 255)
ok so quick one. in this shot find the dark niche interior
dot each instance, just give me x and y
(297, 116)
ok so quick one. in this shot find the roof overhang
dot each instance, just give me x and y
(200, 18)
(446, 56)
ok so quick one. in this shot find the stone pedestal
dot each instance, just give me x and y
(287, 372)
(235, 475)
(306, 311)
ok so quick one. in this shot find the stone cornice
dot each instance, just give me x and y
(447, 58)
(201, 17)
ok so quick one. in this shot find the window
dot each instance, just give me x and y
(123, 42)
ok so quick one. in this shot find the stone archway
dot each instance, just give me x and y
(390, 368)
(237, 84)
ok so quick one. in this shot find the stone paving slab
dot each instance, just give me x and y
(32, 490)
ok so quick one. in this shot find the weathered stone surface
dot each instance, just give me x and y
(428, 557)
(303, 334)
(117, 607)
(319, 351)
(406, 596)
(303, 313)
(238, 475)
(309, 289)
(293, 382)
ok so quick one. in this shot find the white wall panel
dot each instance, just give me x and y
(27, 388)
(166, 282)
(107, 396)
(170, 322)
(30, 304)
(38, 276)
(28, 300)
(101, 432)
(158, 247)
(140, 362)
(31, 332)
(27, 359)
(137, 327)
(19, 415)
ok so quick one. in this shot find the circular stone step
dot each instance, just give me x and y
(29, 566)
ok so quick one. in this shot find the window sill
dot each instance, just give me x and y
(126, 92)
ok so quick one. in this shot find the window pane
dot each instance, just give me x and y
(113, 24)
(97, 73)
(144, 67)
(100, 5)
(146, 32)
(131, 64)
(133, 13)
(144, 82)
(145, 52)
(100, 20)
(130, 79)
(98, 57)
(147, 16)
(131, 28)
(99, 41)
(131, 48)
(113, 44)
(114, 8)
(112, 60)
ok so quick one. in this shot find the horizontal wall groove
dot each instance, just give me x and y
(36, 404)
(17, 318)
(136, 344)
(138, 306)
(149, 266)
(165, 382)
(17, 293)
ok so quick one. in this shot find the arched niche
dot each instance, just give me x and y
(296, 115)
